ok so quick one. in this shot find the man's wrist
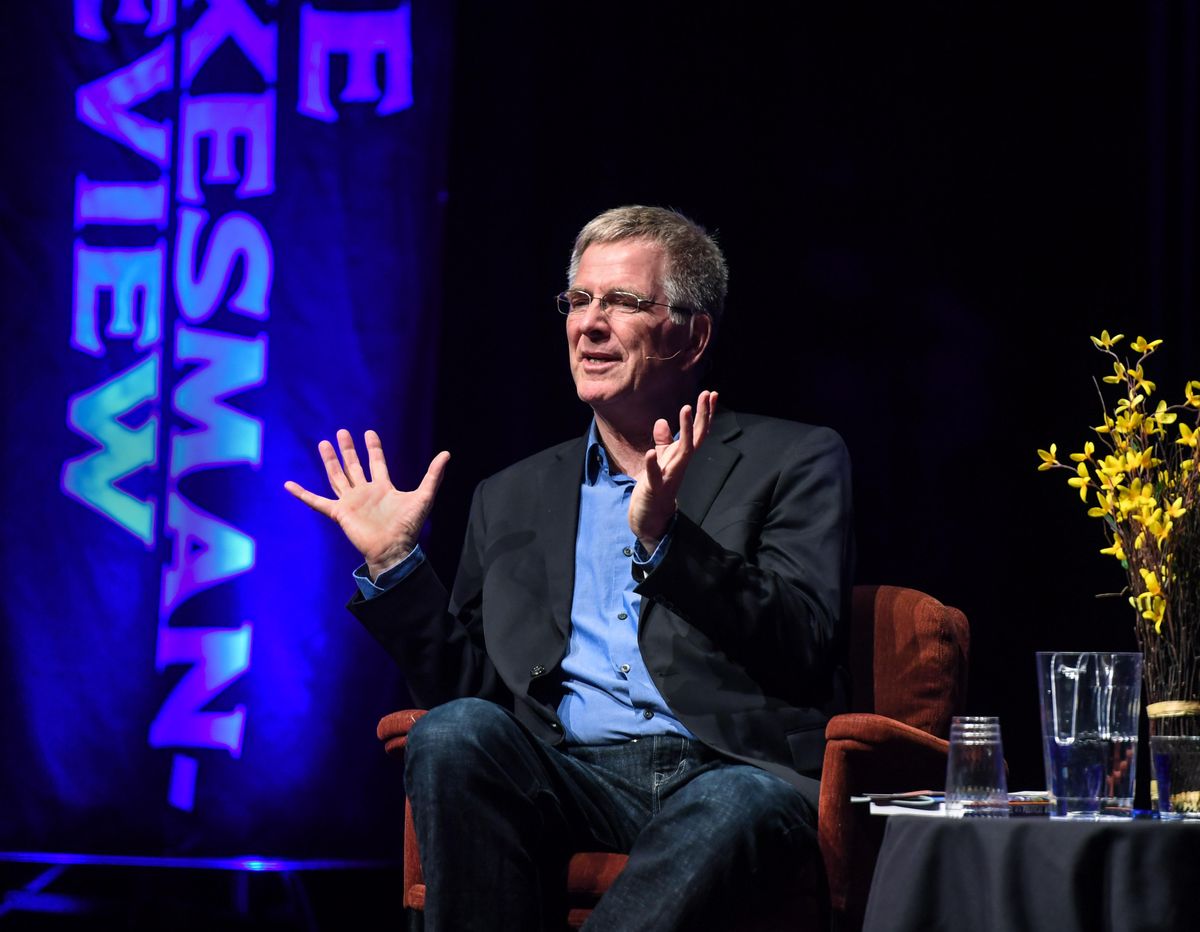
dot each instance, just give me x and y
(651, 533)
(392, 558)
(375, 584)
(646, 558)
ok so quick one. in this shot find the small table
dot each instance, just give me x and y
(1035, 873)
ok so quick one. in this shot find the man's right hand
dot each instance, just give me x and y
(382, 522)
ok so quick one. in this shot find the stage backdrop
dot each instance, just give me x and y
(221, 242)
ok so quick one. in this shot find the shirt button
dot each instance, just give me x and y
(627, 552)
(624, 668)
(647, 713)
(621, 616)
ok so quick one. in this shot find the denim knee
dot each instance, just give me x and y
(457, 732)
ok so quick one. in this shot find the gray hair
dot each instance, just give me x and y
(696, 274)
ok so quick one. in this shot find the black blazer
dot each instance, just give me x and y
(742, 624)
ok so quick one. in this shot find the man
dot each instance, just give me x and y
(644, 639)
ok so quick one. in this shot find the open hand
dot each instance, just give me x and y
(652, 505)
(382, 522)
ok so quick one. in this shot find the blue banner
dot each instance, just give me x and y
(222, 229)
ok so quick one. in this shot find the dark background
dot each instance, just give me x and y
(927, 209)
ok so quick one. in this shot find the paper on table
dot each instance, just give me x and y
(918, 806)
(931, 803)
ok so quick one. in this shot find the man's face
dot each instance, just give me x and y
(630, 360)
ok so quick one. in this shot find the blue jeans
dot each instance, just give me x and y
(498, 813)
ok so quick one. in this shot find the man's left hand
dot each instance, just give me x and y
(653, 504)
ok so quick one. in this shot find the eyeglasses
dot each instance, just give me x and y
(622, 302)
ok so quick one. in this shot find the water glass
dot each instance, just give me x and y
(1090, 703)
(976, 786)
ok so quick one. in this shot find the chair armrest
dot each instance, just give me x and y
(393, 729)
(393, 732)
(867, 753)
(882, 734)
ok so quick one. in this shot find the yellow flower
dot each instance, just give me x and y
(1107, 504)
(1104, 341)
(1119, 371)
(1136, 497)
(1138, 460)
(1176, 509)
(1115, 550)
(1088, 449)
(1148, 516)
(1187, 436)
(1152, 607)
(1107, 426)
(1150, 578)
(1163, 415)
(1128, 423)
(1049, 458)
(1154, 525)
(1140, 378)
(1081, 482)
(1140, 345)
(1189, 393)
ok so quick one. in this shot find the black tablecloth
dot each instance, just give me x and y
(1034, 874)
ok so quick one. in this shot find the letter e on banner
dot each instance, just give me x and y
(362, 37)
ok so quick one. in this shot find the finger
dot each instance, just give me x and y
(434, 474)
(703, 408)
(333, 468)
(705, 405)
(354, 470)
(654, 477)
(685, 431)
(375, 458)
(315, 502)
(662, 433)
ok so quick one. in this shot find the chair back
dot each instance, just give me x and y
(908, 657)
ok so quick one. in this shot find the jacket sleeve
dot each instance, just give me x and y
(436, 637)
(775, 608)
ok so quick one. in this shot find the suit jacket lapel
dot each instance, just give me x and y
(559, 521)
(706, 474)
(709, 468)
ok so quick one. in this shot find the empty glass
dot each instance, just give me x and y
(976, 786)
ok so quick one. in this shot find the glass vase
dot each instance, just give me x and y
(1175, 752)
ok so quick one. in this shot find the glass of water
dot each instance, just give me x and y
(976, 786)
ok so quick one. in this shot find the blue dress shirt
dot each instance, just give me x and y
(609, 696)
(609, 693)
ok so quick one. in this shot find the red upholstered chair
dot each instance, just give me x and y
(908, 660)
(908, 666)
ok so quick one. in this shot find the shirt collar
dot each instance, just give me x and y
(595, 458)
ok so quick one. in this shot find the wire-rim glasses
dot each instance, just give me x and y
(576, 300)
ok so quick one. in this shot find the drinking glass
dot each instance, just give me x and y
(976, 786)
